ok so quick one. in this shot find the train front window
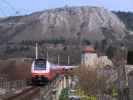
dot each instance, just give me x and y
(40, 65)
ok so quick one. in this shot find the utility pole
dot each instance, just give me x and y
(58, 59)
(47, 55)
(68, 59)
(36, 50)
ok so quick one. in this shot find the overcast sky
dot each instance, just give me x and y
(9, 7)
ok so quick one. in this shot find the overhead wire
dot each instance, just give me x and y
(14, 23)
(23, 26)
(10, 6)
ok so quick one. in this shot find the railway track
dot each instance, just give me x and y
(34, 92)
(27, 94)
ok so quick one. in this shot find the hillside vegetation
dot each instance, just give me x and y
(127, 18)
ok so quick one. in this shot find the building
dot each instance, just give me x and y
(89, 56)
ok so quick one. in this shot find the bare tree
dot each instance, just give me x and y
(90, 81)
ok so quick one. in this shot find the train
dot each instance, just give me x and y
(42, 71)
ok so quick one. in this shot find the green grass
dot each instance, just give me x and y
(64, 94)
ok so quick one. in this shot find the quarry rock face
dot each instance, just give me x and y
(92, 23)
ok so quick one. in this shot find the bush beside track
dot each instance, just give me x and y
(64, 94)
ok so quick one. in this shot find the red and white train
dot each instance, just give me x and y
(43, 71)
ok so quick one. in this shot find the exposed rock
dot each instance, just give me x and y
(93, 23)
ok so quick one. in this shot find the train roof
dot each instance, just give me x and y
(41, 59)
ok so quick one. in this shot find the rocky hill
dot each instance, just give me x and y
(127, 18)
(85, 22)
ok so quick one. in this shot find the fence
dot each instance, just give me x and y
(5, 84)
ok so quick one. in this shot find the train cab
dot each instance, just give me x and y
(41, 70)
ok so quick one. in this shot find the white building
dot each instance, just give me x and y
(89, 57)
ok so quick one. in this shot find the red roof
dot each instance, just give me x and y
(89, 49)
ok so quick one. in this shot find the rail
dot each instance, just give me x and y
(26, 94)
(50, 91)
